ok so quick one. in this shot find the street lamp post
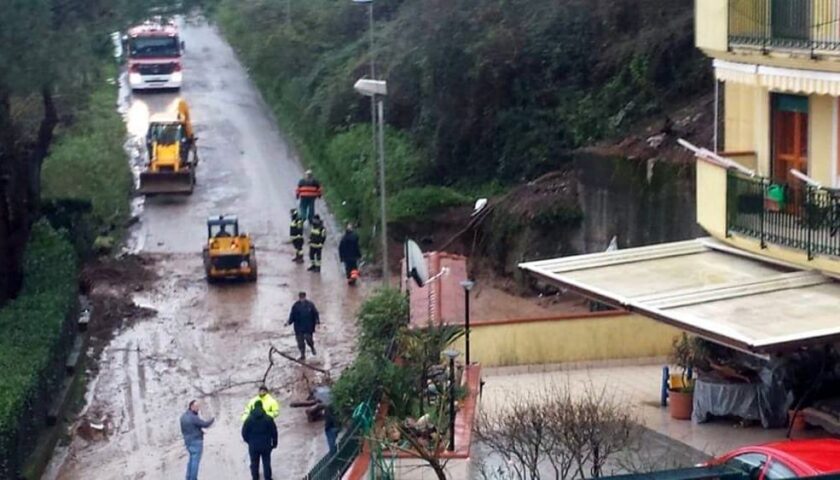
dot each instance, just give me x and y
(372, 70)
(467, 285)
(451, 354)
(378, 89)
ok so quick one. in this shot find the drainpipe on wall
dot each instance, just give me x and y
(717, 115)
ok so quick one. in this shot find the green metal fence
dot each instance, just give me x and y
(333, 467)
(806, 218)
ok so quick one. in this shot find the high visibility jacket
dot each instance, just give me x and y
(317, 236)
(270, 405)
(296, 228)
(309, 189)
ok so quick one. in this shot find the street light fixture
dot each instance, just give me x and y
(372, 71)
(467, 286)
(451, 354)
(377, 90)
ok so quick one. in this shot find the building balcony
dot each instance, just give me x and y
(796, 224)
(808, 27)
(801, 217)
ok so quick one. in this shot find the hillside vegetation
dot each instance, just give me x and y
(481, 93)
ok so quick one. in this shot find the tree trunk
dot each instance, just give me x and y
(40, 150)
(20, 187)
(10, 203)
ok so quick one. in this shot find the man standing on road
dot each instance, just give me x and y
(269, 405)
(260, 433)
(304, 316)
(350, 253)
(192, 428)
(317, 237)
(296, 232)
(308, 190)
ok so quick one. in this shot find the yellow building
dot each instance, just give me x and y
(778, 68)
(767, 282)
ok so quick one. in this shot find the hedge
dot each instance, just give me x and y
(86, 180)
(35, 338)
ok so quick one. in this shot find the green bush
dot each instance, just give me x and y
(88, 164)
(379, 319)
(350, 170)
(418, 203)
(34, 343)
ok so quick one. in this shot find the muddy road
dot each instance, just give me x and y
(205, 341)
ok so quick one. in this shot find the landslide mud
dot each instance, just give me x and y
(187, 339)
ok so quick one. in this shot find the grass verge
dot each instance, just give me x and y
(86, 180)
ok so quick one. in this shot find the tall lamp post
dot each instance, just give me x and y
(467, 285)
(451, 354)
(378, 89)
(372, 69)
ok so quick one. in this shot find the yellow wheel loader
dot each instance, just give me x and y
(173, 155)
(228, 254)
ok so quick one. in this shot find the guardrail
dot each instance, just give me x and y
(812, 25)
(804, 217)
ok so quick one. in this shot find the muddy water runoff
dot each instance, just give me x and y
(205, 338)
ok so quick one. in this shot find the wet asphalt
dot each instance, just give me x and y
(203, 338)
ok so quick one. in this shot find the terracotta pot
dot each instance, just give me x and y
(796, 420)
(680, 404)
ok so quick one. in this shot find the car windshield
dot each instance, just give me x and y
(223, 230)
(146, 47)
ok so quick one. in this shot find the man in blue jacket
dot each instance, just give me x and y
(192, 428)
(305, 317)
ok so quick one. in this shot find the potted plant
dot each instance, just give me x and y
(681, 385)
(774, 201)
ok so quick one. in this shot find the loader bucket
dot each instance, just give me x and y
(156, 183)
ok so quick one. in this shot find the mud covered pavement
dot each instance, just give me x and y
(192, 340)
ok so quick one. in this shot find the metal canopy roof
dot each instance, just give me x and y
(709, 289)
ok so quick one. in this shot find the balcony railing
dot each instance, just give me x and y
(803, 217)
(804, 25)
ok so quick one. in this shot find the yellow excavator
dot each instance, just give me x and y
(228, 254)
(173, 155)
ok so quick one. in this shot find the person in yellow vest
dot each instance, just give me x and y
(270, 405)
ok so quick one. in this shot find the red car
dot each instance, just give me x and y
(788, 459)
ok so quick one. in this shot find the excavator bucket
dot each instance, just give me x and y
(157, 183)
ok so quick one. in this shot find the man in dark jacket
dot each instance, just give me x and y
(305, 317)
(192, 428)
(350, 253)
(260, 433)
(331, 428)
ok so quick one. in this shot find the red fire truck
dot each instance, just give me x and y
(153, 51)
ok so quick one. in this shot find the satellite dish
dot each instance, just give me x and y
(479, 206)
(415, 263)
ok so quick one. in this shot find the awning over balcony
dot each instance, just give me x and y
(779, 79)
(709, 289)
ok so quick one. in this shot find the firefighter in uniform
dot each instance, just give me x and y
(296, 233)
(308, 190)
(317, 237)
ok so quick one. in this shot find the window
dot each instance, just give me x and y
(749, 463)
(777, 471)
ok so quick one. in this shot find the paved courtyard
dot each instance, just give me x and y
(638, 388)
